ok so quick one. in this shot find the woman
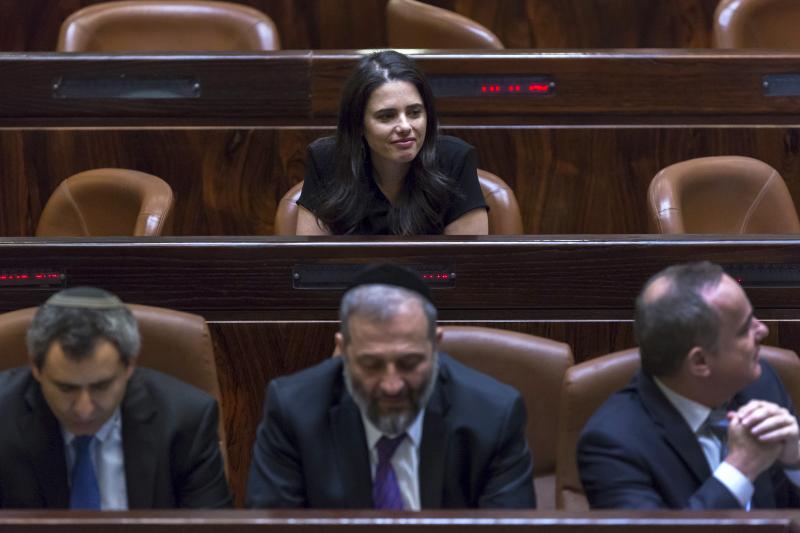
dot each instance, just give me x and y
(387, 171)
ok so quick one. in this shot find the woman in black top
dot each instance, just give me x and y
(387, 171)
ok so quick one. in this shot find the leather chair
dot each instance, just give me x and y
(722, 194)
(757, 24)
(173, 342)
(587, 385)
(504, 214)
(412, 24)
(534, 366)
(167, 26)
(107, 202)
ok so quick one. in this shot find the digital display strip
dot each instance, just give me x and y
(32, 278)
(327, 276)
(461, 85)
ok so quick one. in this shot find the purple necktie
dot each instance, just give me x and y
(385, 490)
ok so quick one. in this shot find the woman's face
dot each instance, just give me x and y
(394, 123)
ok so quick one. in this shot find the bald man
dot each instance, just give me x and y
(705, 424)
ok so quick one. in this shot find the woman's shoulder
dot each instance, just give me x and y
(323, 146)
(453, 145)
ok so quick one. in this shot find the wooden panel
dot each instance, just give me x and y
(654, 87)
(33, 25)
(346, 521)
(590, 180)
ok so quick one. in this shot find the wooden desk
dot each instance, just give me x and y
(398, 522)
(577, 290)
(579, 160)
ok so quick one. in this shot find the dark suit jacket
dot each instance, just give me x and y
(169, 439)
(638, 452)
(311, 449)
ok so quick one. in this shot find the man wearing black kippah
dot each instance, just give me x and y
(83, 428)
(391, 424)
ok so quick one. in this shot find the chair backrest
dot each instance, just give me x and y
(722, 194)
(173, 342)
(757, 24)
(504, 213)
(534, 366)
(168, 25)
(587, 385)
(412, 24)
(107, 202)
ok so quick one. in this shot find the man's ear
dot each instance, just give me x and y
(35, 371)
(439, 334)
(338, 349)
(131, 367)
(697, 362)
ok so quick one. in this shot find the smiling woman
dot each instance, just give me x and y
(387, 171)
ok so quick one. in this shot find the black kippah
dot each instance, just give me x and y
(392, 274)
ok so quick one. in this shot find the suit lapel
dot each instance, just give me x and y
(139, 445)
(44, 443)
(674, 429)
(433, 451)
(350, 452)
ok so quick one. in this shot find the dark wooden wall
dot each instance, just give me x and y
(32, 25)
(227, 181)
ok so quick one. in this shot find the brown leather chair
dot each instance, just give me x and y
(757, 24)
(412, 24)
(587, 385)
(722, 194)
(107, 202)
(534, 366)
(169, 25)
(173, 342)
(504, 213)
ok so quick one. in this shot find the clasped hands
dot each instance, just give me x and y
(760, 433)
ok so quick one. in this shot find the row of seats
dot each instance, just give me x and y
(201, 25)
(181, 25)
(722, 194)
(559, 396)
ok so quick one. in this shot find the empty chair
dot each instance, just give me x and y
(722, 194)
(169, 25)
(587, 385)
(412, 24)
(107, 202)
(504, 213)
(534, 366)
(757, 24)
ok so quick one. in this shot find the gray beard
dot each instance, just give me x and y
(397, 423)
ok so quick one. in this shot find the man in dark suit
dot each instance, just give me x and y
(390, 424)
(83, 428)
(705, 424)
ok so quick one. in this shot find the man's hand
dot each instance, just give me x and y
(746, 452)
(772, 424)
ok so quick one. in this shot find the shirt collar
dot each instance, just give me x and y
(108, 429)
(695, 414)
(414, 431)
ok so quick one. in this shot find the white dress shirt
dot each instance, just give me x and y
(695, 415)
(405, 460)
(108, 460)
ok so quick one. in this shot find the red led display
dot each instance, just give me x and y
(436, 276)
(31, 278)
(538, 88)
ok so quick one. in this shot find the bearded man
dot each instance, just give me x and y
(391, 423)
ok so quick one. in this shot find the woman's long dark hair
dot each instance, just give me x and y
(426, 193)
